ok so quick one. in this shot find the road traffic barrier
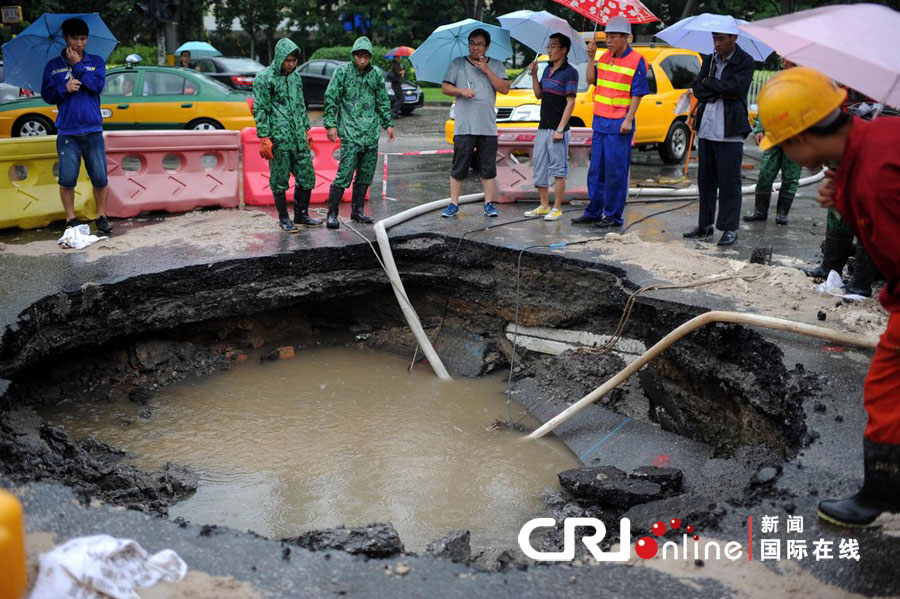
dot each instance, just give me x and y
(256, 169)
(515, 157)
(12, 547)
(29, 191)
(175, 171)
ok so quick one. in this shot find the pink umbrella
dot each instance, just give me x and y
(851, 43)
(602, 10)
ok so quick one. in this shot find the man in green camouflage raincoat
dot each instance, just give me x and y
(357, 106)
(282, 126)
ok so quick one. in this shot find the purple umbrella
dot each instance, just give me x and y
(851, 43)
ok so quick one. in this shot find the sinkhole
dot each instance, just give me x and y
(165, 368)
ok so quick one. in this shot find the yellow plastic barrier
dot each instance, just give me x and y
(12, 547)
(29, 192)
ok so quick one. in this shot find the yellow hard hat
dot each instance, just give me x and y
(793, 101)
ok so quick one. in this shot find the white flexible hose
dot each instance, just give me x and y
(692, 191)
(694, 323)
(384, 244)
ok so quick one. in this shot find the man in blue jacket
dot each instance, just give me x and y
(73, 81)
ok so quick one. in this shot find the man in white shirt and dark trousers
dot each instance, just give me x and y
(722, 125)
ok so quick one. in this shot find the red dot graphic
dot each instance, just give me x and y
(658, 528)
(675, 523)
(689, 528)
(696, 537)
(646, 548)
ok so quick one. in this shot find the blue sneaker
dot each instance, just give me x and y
(450, 210)
(489, 209)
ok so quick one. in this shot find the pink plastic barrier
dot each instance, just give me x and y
(256, 169)
(515, 153)
(175, 171)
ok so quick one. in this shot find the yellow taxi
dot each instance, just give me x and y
(670, 73)
(137, 97)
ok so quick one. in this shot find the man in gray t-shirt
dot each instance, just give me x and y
(475, 80)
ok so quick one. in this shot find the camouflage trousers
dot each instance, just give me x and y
(774, 160)
(359, 159)
(287, 161)
(835, 224)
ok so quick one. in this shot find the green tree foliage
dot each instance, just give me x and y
(146, 52)
(258, 18)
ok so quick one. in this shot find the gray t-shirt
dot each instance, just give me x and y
(475, 116)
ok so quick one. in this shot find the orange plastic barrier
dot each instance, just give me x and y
(256, 169)
(12, 547)
(175, 171)
(515, 154)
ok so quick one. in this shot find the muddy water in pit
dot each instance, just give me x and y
(338, 436)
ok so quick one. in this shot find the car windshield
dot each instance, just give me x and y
(523, 79)
(241, 65)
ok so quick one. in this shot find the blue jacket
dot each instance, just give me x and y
(79, 113)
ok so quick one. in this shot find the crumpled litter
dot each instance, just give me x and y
(103, 567)
(78, 237)
(834, 285)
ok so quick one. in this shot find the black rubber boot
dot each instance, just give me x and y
(283, 219)
(783, 207)
(358, 205)
(301, 208)
(835, 252)
(880, 491)
(864, 274)
(334, 203)
(761, 209)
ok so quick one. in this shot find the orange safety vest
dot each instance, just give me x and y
(612, 94)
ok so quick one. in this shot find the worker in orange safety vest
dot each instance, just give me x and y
(620, 79)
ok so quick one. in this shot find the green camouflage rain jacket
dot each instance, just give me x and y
(279, 107)
(357, 104)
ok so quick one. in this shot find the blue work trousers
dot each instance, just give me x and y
(607, 179)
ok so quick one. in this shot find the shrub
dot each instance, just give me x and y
(513, 73)
(147, 54)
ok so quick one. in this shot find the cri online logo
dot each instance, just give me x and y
(645, 547)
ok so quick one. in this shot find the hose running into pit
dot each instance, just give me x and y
(390, 267)
(695, 323)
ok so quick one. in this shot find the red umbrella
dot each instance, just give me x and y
(401, 51)
(602, 10)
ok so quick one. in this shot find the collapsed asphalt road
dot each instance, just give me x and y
(752, 432)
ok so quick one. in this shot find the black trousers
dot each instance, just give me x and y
(719, 174)
(397, 104)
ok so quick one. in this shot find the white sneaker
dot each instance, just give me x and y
(539, 211)
(554, 214)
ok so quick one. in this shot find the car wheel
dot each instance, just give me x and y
(675, 147)
(33, 125)
(204, 125)
(576, 122)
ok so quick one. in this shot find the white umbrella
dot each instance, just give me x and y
(534, 29)
(695, 33)
(851, 43)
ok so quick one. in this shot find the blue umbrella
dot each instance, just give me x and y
(695, 33)
(26, 55)
(198, 49)
(448, 42)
